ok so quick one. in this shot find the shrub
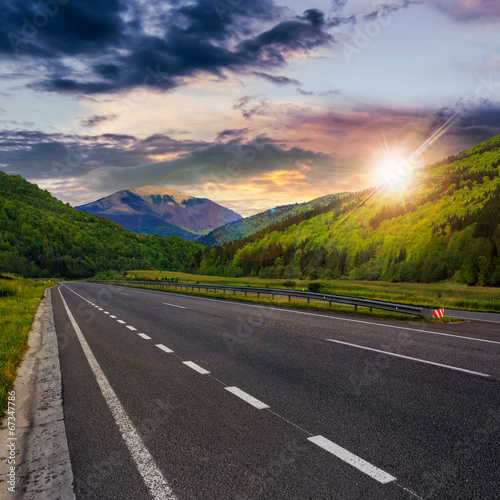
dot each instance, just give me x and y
(289, 284)
(315, 286)
(7, 290)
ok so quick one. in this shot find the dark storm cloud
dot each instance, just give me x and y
(121, 45)
(205, 165)
(35, 154)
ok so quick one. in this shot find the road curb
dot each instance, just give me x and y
(43, 467)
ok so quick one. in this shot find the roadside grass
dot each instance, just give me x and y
(19, 300)
(445, 294)
(301, 304)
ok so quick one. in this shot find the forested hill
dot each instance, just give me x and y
(250, 225)
(444, 224)
(40, 237)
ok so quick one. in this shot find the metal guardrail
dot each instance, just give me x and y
(423, 311)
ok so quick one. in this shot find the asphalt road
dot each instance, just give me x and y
(295, 404)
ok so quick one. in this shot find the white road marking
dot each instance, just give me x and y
(196, 367)
(411, 359)
(106, 312)
(100, 309)
(476, 319)
(382, 325)
(164, 348)
(151, 474)
(131, 328)
(360, 464)
(246, 397)
(121, 321)
(144, 336)
(112, 316)
(173, 305)
(123, 293)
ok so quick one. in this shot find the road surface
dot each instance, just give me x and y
(172, 396)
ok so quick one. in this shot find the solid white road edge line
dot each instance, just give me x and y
(164, 348)
(152, 476)
(412, 359)
(144, 336)
(360, 464)
(196, 367)
(173, 305)
(246, 397)
(382, 325)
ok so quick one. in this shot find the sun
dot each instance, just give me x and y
(394, 172)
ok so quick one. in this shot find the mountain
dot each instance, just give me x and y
(249, 225)
(41, 237)
(156, 210)
(443, 224)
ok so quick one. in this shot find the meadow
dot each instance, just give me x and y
(19, 300)
(447, 295)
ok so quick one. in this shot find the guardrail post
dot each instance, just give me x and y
(355, 307)
(289, 298)
(245, 293)
(258, 295)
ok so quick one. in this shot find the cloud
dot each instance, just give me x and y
(88, 47)
(278, 80)
(231, 134)
(96, 119)
(320, 94)
(468, 10)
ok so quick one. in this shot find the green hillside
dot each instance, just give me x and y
(444, 225)
(249, 225)
(40, 237)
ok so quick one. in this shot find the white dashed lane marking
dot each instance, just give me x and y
(164, 348)
(131, 328)
(196, 367)
(144, 336)
(360, 464)
(151, 474)
(246, 397)
(173, 305)
(121, 321)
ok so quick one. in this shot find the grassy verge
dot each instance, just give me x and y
(19, 300)
(447, 295)
(301, 304)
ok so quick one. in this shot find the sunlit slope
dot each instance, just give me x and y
(442, 223)
(249, 225)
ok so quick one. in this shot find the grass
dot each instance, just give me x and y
(300, 304)
(19, 300)
(447, 295)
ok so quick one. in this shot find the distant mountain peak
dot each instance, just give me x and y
(163, 211)
(150, 194)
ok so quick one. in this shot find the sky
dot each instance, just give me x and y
(250, 103)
